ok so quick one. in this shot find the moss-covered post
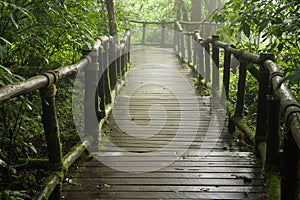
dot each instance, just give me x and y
(272, 151)
(261, 120)
(51, 128)
(91, 105)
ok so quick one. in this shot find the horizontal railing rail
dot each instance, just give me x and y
(275, 103)
(103, 66)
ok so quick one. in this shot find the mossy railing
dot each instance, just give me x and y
(104, 66)
(275, 104)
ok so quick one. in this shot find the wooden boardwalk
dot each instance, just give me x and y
(163, 141)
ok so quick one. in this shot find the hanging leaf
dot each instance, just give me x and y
(246, 29)
(14, 19)
(263, 25)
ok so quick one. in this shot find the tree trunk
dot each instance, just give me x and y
(211, 5)
(196, 10)
(181, 8)
(113, 29)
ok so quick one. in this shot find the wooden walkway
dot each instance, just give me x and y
(165, 142)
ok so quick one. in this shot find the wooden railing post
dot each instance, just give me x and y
(272, 152)
(91, 106)
(226, 73)
(261, 121)
(175, 37)
(163, 34)
(290, 168)
(189, 48)
(144, 34)
(239, 108)
(195, 50)
(182, 44)
(51, 128)
(201, 59)
(207, 62)
(216, 65)
(128, 48)
(113, 64)
(101, 84)
(105, 75)
(272, 163)
(118, 62)
(123, 57)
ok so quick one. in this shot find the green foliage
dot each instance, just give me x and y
(268, 25)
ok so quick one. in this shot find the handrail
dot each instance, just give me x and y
(273, 104)
(106, 58)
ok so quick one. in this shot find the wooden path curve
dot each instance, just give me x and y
(163, 141)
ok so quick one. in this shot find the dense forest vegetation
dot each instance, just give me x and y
(37, 36)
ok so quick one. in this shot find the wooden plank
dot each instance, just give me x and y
(221, 172)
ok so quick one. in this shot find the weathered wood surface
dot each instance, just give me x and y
(223, 172)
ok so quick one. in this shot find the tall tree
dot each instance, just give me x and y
(196, 10)
(113, 28)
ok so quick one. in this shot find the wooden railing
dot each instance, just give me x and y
(274, 105)
(167, 36)
(164, 40)
(108, 59)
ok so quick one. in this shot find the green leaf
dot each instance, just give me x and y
(263, 25)
(5, 40)
(246, 29)
(14, 19)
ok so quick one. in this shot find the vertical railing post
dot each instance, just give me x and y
(175, 37)
(195, 50)
(182, 46)
(144, 34)
(207, 62)
(128, 47)
(189, 48)
(239, 109)
(263, 90)
(273, 114)
(226, 73)
(113, 64)
(201, 59)
(272, 162)
(216, 65)
(51, 128)
(123, 57)
(91, 98)
(106, 73)
(118, 61)
(101, 84)
(163, 34)
(290, 168)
